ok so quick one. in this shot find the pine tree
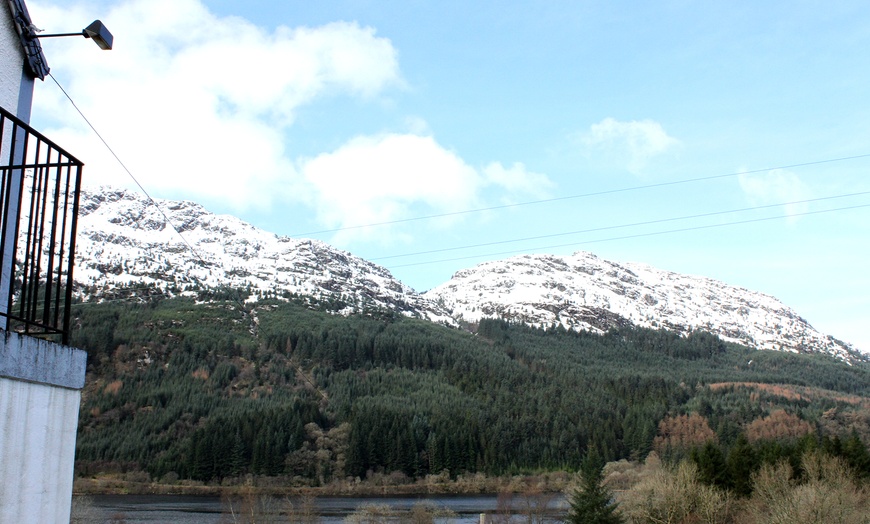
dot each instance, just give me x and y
(856, 455)
(592, 503)
(237, 457)
(711, 465)
(740, 464)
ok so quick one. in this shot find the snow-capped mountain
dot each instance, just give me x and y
(583, 291)
(124, 242)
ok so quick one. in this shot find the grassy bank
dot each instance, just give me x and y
(375, 485)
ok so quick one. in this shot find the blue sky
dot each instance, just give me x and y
(315, 118)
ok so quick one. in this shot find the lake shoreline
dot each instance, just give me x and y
(555, 482)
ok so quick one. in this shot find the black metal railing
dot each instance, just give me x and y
(40, 184)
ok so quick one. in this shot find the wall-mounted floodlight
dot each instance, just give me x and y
(96, 32)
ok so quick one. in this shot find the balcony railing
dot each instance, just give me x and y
(40, 185)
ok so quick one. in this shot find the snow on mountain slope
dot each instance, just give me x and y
(582, 291)
(123, 241)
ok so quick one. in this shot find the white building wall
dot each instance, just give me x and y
(40, 393)
(37, 443)
(11, 61)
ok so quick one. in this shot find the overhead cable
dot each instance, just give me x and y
(639, 235)
(581, 195)
(621, 226)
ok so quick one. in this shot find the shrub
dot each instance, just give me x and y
(675, 495)
(827, 494)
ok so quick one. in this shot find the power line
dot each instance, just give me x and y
(639, 235)
(129, 173)
(609, 239)
(581, 195)
(621, 226)
(151, 201)
(196, 254)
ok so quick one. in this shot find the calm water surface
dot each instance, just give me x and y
(178, 509)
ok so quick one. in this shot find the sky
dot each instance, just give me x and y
(729, 140)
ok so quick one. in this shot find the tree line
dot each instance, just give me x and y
(211, 389)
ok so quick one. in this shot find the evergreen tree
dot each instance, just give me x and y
(592, 503)
(740, 464)
(856, 455)
(712, 469)
(237, 456)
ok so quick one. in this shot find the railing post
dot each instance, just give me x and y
(12, 186)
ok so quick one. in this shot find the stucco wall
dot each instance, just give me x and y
(37, 443)
(40, 392)
(11, 60)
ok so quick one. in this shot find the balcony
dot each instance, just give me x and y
(39, 198)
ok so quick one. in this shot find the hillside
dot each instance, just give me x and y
(582, 291)
(126, 249)
(208, 390)
(125, 246)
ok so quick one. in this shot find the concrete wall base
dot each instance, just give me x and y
(40, 394)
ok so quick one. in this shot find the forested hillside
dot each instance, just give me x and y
(211, 389)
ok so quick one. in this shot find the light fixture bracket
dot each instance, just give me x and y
(96, 31)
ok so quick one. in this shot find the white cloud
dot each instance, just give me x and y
(518, 180)
(378, 179)
(197, 104)
(775, 187)
(417, 125)
(636, 142)
(373, 180)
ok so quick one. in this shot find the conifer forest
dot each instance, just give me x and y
(212, 388)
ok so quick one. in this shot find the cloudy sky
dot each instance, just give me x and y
(729, 140)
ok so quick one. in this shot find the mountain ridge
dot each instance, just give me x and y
(583, 291)
(124, 241)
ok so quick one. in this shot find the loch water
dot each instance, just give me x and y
(178, 509)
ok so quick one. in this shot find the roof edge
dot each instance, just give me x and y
(37, 65)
